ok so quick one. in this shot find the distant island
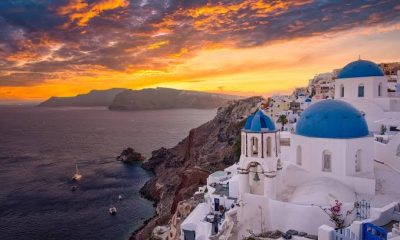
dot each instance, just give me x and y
(145, 99)
(167, 98)
(95, 98)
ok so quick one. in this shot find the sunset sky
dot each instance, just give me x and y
(251, 47)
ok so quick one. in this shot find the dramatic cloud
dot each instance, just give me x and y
(44, 41)
(81, 12)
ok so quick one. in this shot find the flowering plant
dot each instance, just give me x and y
(335, 214)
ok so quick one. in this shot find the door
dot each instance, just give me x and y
(216, 204)
(372, 232)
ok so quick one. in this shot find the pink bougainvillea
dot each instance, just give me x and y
(335, 214)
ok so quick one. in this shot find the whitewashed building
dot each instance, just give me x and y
(330, 156)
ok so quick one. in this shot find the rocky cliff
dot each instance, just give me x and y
(167, 98)
(179, 171)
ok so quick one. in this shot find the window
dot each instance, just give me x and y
(254, 146)
(269, 148)
(361, 90)
(341, 90)
(189, 235)
(298, 155)
(393, 129)
(326, 161)
(358, 161)
(380, 90)
(243, 144)
(398, 151)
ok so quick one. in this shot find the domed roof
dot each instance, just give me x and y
(360, 68)
(332, 119)
(259, 122)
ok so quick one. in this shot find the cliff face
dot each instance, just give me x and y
(179, 171)
(166, 98)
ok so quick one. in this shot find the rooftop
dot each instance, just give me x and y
(332, 119)
(360, 68)
(259, 122)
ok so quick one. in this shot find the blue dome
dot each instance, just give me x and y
(360, 68)
(259, 122)
(308, 100)
(332, 119)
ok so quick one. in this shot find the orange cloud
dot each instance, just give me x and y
(81, 13)
(181, 52)
(72, 6)
(33, 50)
(218, 18)
(157, 44)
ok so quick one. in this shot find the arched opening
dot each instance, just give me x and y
(326, 161)
(279, 164)
(269, 147)
(341, 90)
(256, 178)
(254, 146)
(358, 161)
(298, 156)
(380, 90)
(398, 151)
(361, 90)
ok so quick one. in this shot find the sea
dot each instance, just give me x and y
(39, 148)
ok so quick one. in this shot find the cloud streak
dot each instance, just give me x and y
(81, 13)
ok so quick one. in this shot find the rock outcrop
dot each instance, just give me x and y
(130, 156)
(179, 171)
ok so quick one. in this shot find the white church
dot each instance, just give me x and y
(363, 84)
(331, 156)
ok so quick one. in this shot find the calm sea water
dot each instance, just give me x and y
(38, 151)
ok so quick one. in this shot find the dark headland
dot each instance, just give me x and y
(145, 99)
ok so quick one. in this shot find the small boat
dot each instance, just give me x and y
(112, 210)
(77, 176)
(120, 197)
(74, 188)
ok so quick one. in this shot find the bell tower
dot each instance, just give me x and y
(260, 154)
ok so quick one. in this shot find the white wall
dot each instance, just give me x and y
(373, 112)
(351, 87)
(234, 187)
(343, 154)
(194, 222)
(342, 161)
(275, 214)
(387, 152)
(365, 144)
(312, 149)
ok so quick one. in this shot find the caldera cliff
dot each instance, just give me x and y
(180, 170)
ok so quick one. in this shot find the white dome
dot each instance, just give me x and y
(322, 191)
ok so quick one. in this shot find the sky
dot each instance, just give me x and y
(249, 47)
